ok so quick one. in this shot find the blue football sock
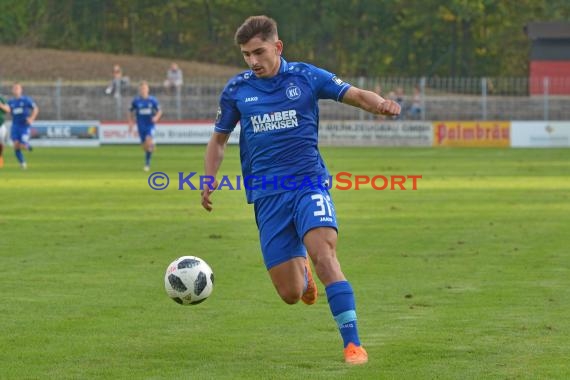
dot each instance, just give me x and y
(147, 158)
(342, 305)
(19, 155)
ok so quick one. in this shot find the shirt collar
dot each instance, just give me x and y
(284, 66)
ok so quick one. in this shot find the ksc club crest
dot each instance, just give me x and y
(293, 92)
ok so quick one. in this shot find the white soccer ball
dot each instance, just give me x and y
(189, 280)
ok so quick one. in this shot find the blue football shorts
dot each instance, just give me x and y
(144, 132)
(283, 220)
(21, 134)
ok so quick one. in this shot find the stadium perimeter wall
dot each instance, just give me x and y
(538, 134)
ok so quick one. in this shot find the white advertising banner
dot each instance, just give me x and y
(375, 133)
(165, 133)
(540, 134)
(63, 133)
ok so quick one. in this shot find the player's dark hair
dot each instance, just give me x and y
(256, 26)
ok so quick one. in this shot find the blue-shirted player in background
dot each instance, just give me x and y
(276, 103)
(146, 110)
(24, 111)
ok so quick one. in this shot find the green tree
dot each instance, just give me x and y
(352, 37)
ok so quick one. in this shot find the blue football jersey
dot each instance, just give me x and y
(279, 119)
(145, 109)
(21, 108)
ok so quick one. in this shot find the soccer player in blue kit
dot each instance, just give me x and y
(146, 110)
(24, 111)
(276, 103)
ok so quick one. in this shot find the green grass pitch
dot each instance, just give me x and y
(467, 277)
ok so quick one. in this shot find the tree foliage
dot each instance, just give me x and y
(352, 37)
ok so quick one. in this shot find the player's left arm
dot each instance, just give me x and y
(34, 115)
(131, 121)
(158, 113)
(371, 102)
(157, 116)
(131, 117)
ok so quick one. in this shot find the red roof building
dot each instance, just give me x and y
(549, 58)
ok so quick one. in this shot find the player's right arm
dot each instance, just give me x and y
(226, 120)
(212, 162)
(131, 118)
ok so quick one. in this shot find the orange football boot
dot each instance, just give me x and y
(354, 354)
(311, 293)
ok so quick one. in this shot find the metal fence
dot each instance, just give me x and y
(421, 98)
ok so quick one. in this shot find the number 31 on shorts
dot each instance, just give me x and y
(324, 205)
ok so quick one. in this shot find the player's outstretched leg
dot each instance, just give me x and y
(147, 156)
(20, 155)
(288, 279)
(25, 141)
(148, 149)
(343, 309)
(311, 291)
(1, 153)
(321, 244)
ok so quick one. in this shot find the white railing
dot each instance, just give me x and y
(422, 99)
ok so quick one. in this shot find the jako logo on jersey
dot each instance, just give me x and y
(337, 80)
(293, 92)
(274, 120)
(251, 99)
